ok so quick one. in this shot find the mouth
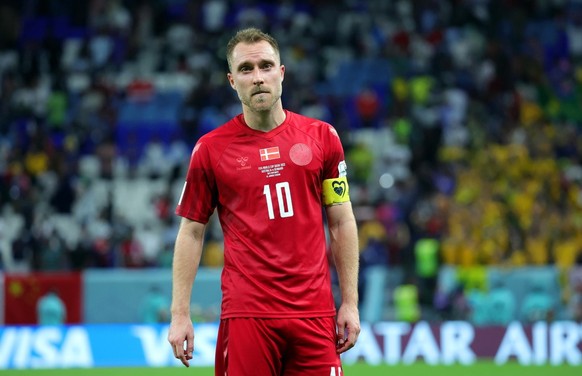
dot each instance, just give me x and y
(260, 92)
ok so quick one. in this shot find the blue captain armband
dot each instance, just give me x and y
(335, 191)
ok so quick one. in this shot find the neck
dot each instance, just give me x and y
(264, 120)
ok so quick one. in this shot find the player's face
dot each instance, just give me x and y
(257, 75)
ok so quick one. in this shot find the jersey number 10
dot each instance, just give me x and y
(283, 194)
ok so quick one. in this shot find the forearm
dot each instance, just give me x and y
(344, 248)
(187, 253)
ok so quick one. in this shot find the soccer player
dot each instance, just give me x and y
(269, 172)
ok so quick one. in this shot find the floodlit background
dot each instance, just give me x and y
(461, 125)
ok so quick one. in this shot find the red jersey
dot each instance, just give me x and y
(267, 189)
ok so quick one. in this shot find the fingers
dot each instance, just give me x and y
(189, 346)
(352, 338)
(347, 338)
(183, 348)
(341, 336)
(345, 344)
(179, 353)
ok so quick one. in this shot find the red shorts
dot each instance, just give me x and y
(277, 347)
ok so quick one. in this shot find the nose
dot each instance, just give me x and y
(258, 77)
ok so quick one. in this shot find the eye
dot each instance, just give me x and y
(267, 66)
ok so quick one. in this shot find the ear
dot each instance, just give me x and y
(231, 80)
(282, 72)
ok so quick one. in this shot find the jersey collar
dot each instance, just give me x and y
(239, 119)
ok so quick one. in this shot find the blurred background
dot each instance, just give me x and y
(460, 121)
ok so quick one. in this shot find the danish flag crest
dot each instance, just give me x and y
(269, 153)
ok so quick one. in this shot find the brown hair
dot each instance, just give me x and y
(249, 36)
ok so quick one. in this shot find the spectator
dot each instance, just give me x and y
(50, 309)
(406, 303)
(155, 307)
(427, 265)
(368, 107)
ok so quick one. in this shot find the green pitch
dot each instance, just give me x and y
(419, 369)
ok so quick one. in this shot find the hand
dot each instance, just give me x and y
(182, 331)
(348, 327)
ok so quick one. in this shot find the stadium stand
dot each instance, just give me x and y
(461, 121)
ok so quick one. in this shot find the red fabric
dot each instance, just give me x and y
(271, 212)
(22, 291)
(305, 347)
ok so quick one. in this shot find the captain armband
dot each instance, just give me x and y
(335, 191)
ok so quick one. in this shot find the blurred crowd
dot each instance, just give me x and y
(460, 120)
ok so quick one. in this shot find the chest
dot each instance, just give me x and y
(256, 162)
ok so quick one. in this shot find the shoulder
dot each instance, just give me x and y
(224, 131)
(311, 125)
(220, 137)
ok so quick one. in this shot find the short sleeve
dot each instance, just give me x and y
(334, 164)
(198, 197)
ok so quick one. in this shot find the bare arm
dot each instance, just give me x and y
(344, 248)
(187, 253)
